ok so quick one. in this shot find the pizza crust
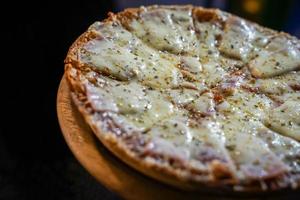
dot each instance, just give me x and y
(220, 175)
(166, 174)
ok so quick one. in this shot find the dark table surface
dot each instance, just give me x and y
(60, 178)
(35, 162)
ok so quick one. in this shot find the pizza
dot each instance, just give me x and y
(193, 97)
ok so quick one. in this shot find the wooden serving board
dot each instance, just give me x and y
(104, 166)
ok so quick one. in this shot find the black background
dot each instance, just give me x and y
(35, 162)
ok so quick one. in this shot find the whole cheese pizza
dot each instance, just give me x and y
(192, 97)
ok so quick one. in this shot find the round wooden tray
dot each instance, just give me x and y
(104, 166)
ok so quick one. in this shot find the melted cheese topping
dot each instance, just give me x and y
(189, 91)
(175, 32)
(237, 39)
(279, 56)
(126, 57)
(285, 119)
(280, 84)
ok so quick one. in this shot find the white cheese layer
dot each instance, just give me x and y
(285, 119)
(237, 38)
(188, 87)
(278, 57)
(167, 30)
(126, 57)
(279, 85)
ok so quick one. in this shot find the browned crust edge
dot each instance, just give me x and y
(165, 174)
